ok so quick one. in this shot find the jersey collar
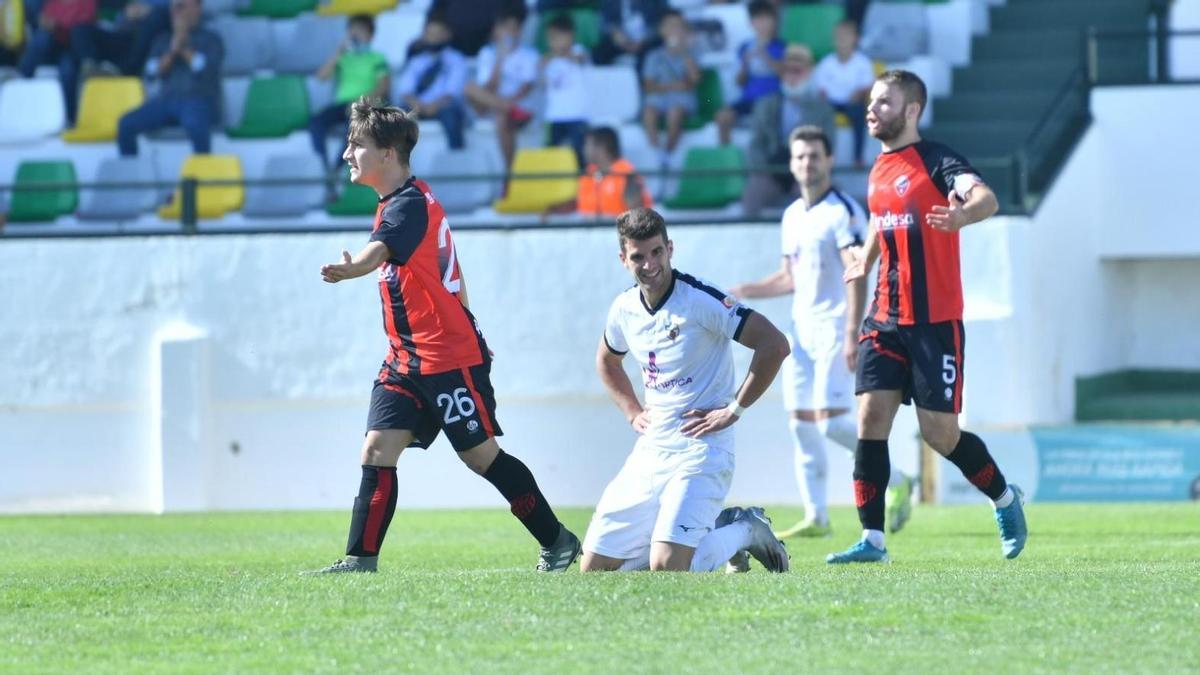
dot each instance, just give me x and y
(663, 300)
(407, 184)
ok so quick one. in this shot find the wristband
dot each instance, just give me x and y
(735, 409)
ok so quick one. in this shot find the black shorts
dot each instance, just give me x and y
(925, 362)
(459, 402)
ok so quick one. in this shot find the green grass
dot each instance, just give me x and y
(1100, 589)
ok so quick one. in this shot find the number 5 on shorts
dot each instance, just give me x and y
(949, 370)
(459, 400)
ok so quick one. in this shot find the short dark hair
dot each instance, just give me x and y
(669, 14)
(561, 22)
(640, 224)
(513, 11)
(606, 137)
(909, 84)
(365, 20)
(438, 16)
(761, 7)
(386, 126)
(810, 132)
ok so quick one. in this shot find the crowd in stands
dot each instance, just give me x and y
(474, 60)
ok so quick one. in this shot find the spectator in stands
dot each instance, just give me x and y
(627, 27)
(470, 21)
(358, 71)
(775, 115)
(610, 185)
(505, 75)
(50, 42)
(187, 64)
(669, 79)
(844, 79)
(566, 92)
(433, 78)
(760, 61)
(124, 42)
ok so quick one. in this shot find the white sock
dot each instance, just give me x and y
(875, 537)
(842, 430)
(639, 564)
(811, 467)
(1005, 499)
(718, 546)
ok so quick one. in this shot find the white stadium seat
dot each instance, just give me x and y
(18, 97)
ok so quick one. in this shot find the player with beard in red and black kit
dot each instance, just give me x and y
(920, 194)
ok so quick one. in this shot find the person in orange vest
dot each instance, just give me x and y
(610, 185)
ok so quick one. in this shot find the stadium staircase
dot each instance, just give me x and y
(1021, 105)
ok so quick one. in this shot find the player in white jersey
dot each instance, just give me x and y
(663, 511)
(818, 232)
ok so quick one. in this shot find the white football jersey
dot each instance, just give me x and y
(812, 239)
(683, 348)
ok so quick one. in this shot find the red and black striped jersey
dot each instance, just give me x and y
(428, 328)
(919, 279)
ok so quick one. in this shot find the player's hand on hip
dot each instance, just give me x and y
(337, 272)
(701, 422)
(949, 218)
(641, 421)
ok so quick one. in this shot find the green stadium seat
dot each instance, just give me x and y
(710, 191)
(811, 25)
(278, 9)
(37, 205)
(709, 99)
(587, 27)
(274, 107)
(354, 200)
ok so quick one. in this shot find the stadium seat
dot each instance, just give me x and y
(320, 35)
(895, 31)
(394, 32)
(735, 23)
(36, 205)
(534, 195)
(813, 25)
(277, 9)
(248, 44)
(122, 203)
(709, 99)
(12, 26)
(459, 196)
(274, 107)
(292, 199)
(620, 94)
(587, 27)
(354, 200)
(349, 7)
(104, 101)
(713, 191)
(18, 97)
(212, 201)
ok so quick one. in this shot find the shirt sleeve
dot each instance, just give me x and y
(402, 227)
(720, 313)
(614, 337)
(456, 78)
(949, 172)
(849, 228)
(485, 61)
(866, 73)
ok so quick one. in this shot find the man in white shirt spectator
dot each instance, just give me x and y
(433, 79)
(566, 93)
(845, 78)
(505, 75)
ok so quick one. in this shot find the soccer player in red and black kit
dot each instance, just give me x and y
(920, 194)
(437, 373)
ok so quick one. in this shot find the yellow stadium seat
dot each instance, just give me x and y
(12, 25)
(211, 201)
(104, 101)
(348, 7)
(534, 195)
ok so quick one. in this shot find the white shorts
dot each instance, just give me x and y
(815, 375)
(661, 496)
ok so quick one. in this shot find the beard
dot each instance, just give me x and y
(890, 130)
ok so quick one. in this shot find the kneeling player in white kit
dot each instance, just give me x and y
(818, 232)
(663, 511)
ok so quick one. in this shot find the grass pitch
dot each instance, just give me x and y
(1099, 589)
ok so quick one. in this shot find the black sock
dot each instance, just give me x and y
(514, 480)
(373, 509)
(971, 457)
(872, 468)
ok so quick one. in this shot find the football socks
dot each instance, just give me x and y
(971, 457)
(514, 480)
(373, 510)
(872, 467)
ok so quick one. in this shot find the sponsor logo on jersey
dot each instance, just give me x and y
(651, 371)
(901, 185)
(891, 221)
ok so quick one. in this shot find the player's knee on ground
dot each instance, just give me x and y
(594, 562)
(666, 557)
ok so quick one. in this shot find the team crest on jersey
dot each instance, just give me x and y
(901, 185)
(729, 302)
(673, 332)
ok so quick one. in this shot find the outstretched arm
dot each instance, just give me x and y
(861, 259)
(367, 260)
(980, 203)
(777, 283)
(619, 388)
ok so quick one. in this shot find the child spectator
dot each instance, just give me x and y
(358, 71)
(50, 43)
(759, 63)
(669, 79)
(566, 93)
(610, 185)
(505, 75)
(433, 78)
(845, 78)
